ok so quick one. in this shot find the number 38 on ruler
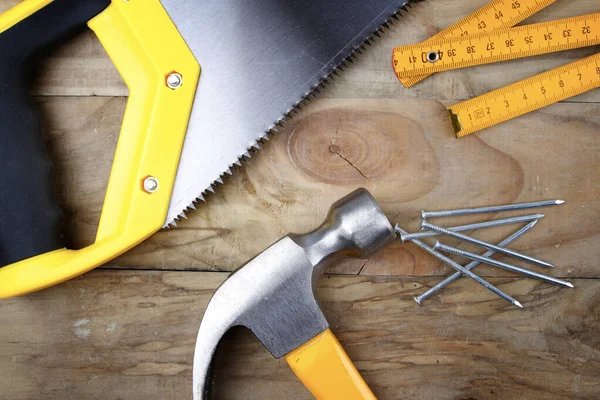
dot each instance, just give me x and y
(485, 37)
(500, 45)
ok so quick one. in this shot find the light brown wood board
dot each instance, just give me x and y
(365, 130)
(130, 335)
(398, 149)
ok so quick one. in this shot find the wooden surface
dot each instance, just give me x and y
(130, 335)
(127, 331)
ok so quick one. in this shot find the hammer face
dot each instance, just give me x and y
(273, 293)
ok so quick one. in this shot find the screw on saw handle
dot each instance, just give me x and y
(146, 48)
(29, 217)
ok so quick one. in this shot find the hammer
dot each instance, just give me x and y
(273, 296)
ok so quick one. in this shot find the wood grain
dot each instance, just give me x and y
(130, 335)
(401, 150)
(82, 68)
(371, 76)
(119, 334)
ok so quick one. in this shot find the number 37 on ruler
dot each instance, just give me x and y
(485, 37)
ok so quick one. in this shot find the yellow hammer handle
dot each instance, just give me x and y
(326, 370)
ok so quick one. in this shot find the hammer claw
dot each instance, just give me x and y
(273, 295)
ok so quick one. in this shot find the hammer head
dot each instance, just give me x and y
(273, 293)
(355, 224)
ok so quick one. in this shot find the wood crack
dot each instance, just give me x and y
(335, 149)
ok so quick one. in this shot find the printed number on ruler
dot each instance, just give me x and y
(525, 96)
(495, 15)
(500, 45)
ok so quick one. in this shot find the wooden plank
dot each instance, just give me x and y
(402, 151)
(130, 335)
(82, 68)
(371, 76)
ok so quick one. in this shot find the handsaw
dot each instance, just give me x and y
(208, 80)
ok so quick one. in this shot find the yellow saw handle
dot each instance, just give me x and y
(326, 370)
(147, 49)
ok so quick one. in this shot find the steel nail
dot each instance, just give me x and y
(419, 299)
(477, 210)
(500, 264)
(464, 271)
(487, 245)
(479, 225)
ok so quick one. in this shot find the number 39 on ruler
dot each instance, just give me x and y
(501, 45)
(485, 37)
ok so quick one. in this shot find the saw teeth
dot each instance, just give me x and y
(308, 97)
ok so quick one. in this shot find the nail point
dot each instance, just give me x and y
(518, 304)
(559, 201)
(569, 284)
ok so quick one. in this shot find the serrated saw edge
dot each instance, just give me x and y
(307, 98)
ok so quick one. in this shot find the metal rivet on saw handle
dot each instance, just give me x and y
(150, 184)
(174, 80)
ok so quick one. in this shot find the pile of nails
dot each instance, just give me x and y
(430, 230)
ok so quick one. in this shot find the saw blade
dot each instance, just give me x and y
(259, 60)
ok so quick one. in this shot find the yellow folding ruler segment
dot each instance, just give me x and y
(501, 45)
(496, 15)
(525, 96)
